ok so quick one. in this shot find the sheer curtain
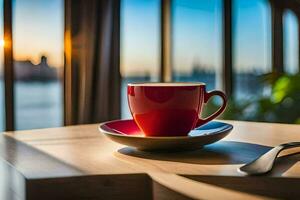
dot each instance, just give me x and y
(92, 78)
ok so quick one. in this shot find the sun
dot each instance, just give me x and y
(2, 42)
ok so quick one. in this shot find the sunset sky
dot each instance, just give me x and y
(197, 35)
(38, 29)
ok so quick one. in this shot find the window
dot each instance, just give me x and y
(252, 47)
(197, 41)
(140, 51)
(197, 52)
(291, 42)
(38, 35)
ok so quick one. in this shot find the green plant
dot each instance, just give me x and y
(281, 105)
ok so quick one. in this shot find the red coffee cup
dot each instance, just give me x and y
(170, 109)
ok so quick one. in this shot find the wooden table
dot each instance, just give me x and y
(78, 162)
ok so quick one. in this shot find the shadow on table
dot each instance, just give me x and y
(232, 152)
(269, 185)
(223, 152)
(284, 163)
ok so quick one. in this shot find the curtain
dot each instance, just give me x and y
(92, 48)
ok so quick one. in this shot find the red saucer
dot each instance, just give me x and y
(126, 132)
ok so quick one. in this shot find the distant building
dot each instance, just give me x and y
(27, 71)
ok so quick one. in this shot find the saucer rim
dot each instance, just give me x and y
(230, 127)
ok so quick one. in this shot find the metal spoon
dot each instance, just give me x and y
(264, 163)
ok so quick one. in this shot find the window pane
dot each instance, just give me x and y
(2, 116)
(139, 44)
(291, 42)
(252, 46)
(197, 41)
(38, 33)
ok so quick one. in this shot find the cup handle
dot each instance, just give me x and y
(207, 96)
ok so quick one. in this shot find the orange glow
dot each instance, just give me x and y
(68, 47)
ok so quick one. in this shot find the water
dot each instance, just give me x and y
(37, 105)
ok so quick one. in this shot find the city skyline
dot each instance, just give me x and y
(38, 29)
